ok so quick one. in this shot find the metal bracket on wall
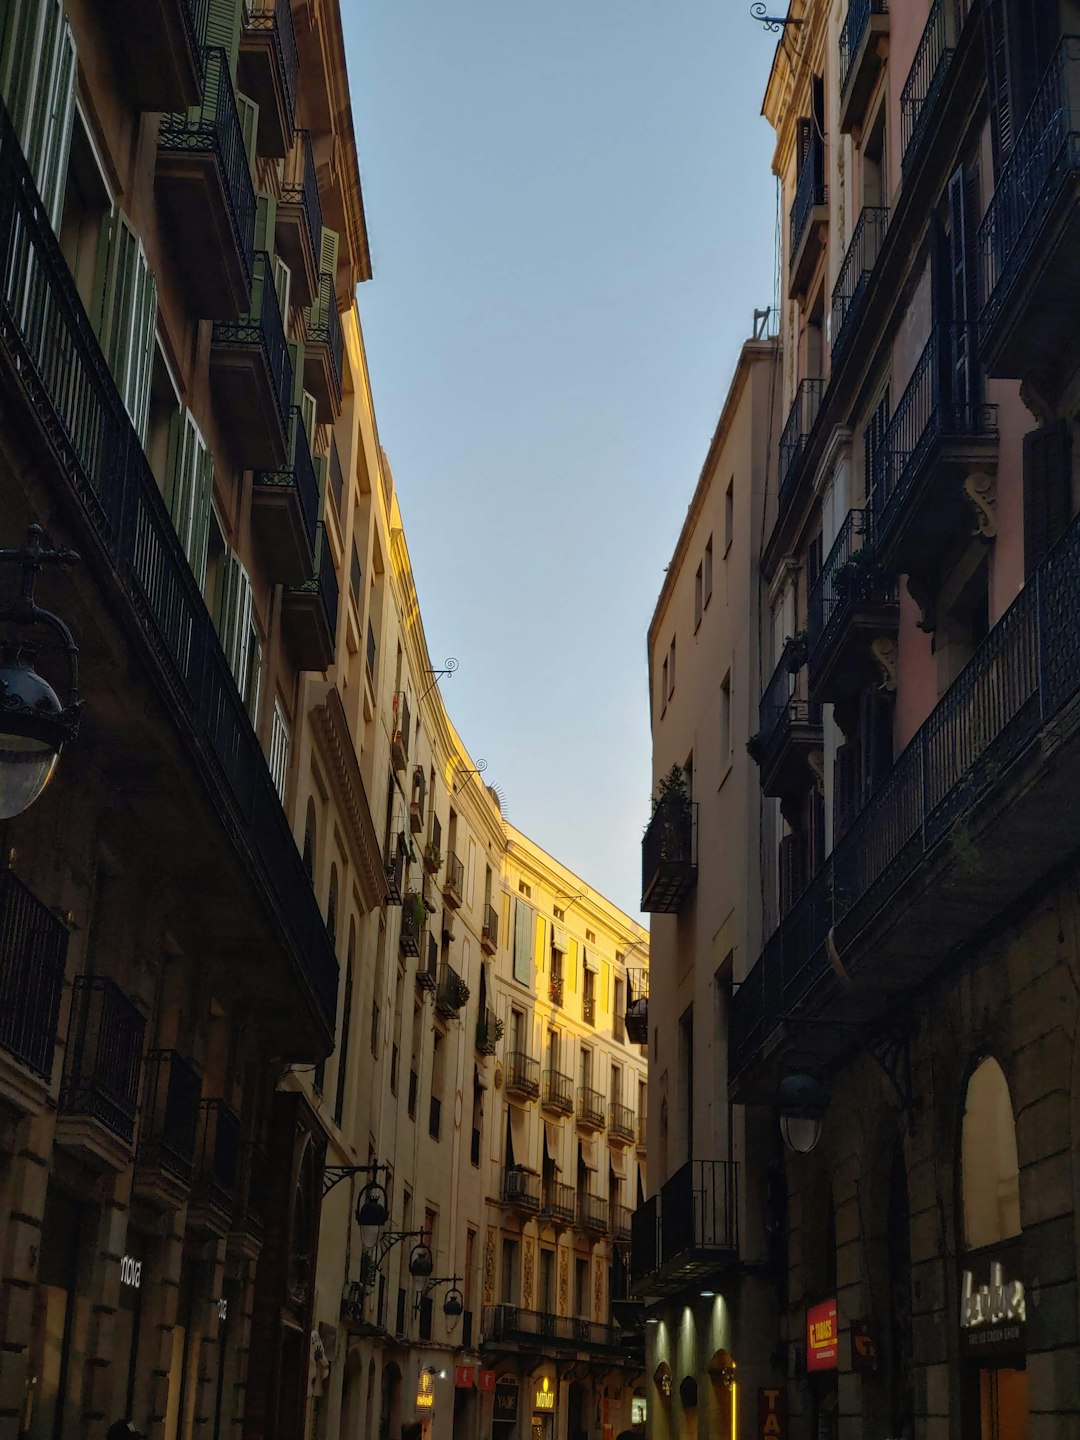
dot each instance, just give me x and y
(887, 1045)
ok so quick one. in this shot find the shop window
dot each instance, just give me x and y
(989, 1169)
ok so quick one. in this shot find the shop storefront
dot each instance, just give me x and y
(822, 1363)
(993, 1315)
(544, 1407)
(56, 1321)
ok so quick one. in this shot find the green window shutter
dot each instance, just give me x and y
(189, 490)
(296, 359)
(307, 410)
(126, 315)
(252, 689)
(204, 498)
(523, 942)
(328, 251)
(234, 617)
(283, 287)
(37, 82)
(265, 220)
(249, 126)
(223, 28)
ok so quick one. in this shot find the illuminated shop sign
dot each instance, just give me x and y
(822, 1336)
(772, 1414)
(544, 1399)
(425, 1391)
(993, 1306)
(130, 1272)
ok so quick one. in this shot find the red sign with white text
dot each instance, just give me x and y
(487, 1380)
(464, 1377)
(822, 1336)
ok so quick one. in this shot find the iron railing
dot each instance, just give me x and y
(522, 1074)
(852, 283)
(588, 1009)
(300, 186)
(810, 191)
(780, 708)
(645, 1240)
(395, 866)
(592, 1211)
(169, 1114)
(195, 14)
(213, 128)
(620, 1120)
(927, 411)
(337, 487)
(558, 1091)
(217, 1158)
(489, 935)
(323, 583)
(558, 1200)
(263, 328)
(509, 1324)
(451, 993)
(556, 989)
(276, 19)
(521, 1188)
(51, 347)
(1017, 682)
(590, 1106)
(926, 77)
(621, 1222)
(847, 575)
(669, 856)
(699, 1209)
(796, 432)
(300, 475)
(399, 737)
(413, 917)
(1045, 155)
(455, 876)
(854, 28)
(33, 949)
(323, 327)
(104, 1055)
(487, 1032)
(637, 1006)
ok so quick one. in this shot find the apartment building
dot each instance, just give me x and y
(699, 1238)
(912, 1012)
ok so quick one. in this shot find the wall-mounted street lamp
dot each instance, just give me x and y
(35, 724)
(802, 1101)
(453, 1300)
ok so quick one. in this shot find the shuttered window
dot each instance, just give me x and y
(233, 618)
(189, 488)
(248, 111)
(37, 82)
(1048, 502)
(223, 28)
(523, 942)
(126, 315)
(279, 748)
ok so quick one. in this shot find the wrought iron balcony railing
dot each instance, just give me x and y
(521, 1188)
(620, 1121)
(780, 708)
(852, 32)
(621, 1222)
(687, 1231)
(556, 989)
(522, 1075)
(323, 328)
(275, 20)
(637, 1006)
(487, 1032)
(299, 477)
(169, 1114)
(264, 328)
(558, 1092)
(300, 187)
(64, 380)
(104, 1055)
(810, 191)
(33, 948)
(399, 731)
(852, 283)
(926, 77)
(847, 576)
(796, 432)
(669, 857)
(590, 1107)
(451, 994)
(489, 934)
(213, 128)
(558, 1201)
(454, 880)
(217, 1156)
(540, 1329)
(592, 1211)
(588, 1009)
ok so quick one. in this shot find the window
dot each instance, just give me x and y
(725, 721)
(189, 486)
(671, 669)
(37, 81)
(699, 594)
(559, 914)
(509, 1272)
(729, 514)
(707, 576)
(279, 748)
(126, 315)
(346, 1026)
(524, 889)
(233, 620)
(664, 686)
(590, 935)
(523, 942)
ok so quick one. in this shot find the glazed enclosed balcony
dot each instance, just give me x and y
(399, 731)
(590, 1108)
(621, 1129)
(687, 1234)
(592, 1212)
(1029, 239)
(285, 510)
(33, 949)
(853, 282)
(969, 821)
(510, 1328)
(489, 932)
(451, 993)
(324, 350)
(257, 906)
(558, 1093)
(299, 222)
(521, 1189)
(454, 881)
(796, 432)
(789, 726)
(268, 69)
(310, 611)
(159, 51)
(100, 1093)
(217, 1170)
(926, 79)
(809, 217)
(669, 857)
(864, 47)
(558, 1202)
(637, 1006)
(207, 200)
(935, 465)
(251, 377)
(852, 607)
(522, 1076)
(168, 1129)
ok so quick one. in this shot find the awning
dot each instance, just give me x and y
(587, 1151)
(519, 1136)
(617, 1159)
(558, 938)
(551, 1143)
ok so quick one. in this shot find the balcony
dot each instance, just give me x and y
(933, 444)
(452, 994)
(33, 949)
(864, 47)
(926, 79)
(969, 820)
(413, 924)
(640, 1144)
(399, 732)
(251, 378)
(60, 394)
(669, 857)
(324, 350)
(521, 1189)
(159, 51)
(522, 1076)
(509, 1327)
(621, 1128)
(590, 1108)
(204, 189)
(558, 1093)
(851, 606)
(489, 934)
(168, 1129)
(621, 1223)
(689, 1233)
(395, 867)
(299, 222)
(588, 1008)
(853, 282)
(427, 972)
(637, 1006)
(217, 1170)
(488, 1032)
(559, 1202)
(454, 882)
(592, 1212)
(1029, 239)
(556, 989)
(797, 428)
(809, 218)
(310, 611)
(99, 1097)
(268, 68)
(285, 510)
(789, 727)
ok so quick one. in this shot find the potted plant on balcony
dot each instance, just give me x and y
(458, 992)
(415, 911)
(795, 651)
(432, 858)
(755, 747)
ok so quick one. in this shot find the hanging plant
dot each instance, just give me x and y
(415, 909)
(459, 993)
(671, 792)
(755, 747)
(432, 858)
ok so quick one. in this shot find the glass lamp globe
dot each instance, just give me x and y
(803, 1101)
(371, 1214)
(32, 732)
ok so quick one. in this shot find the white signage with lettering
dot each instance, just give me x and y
(130, 1271)
(999, 1305)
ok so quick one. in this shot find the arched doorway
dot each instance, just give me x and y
(993, 1308)
(390, 1408)
(576, 1428)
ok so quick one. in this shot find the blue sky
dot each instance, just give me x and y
(572, 219)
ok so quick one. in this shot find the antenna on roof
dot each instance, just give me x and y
(761, 323)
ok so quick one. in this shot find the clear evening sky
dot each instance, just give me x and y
(572, 219)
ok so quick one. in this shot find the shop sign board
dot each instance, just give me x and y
(822, 1336)
(544, 1398)
(863, 1348)
(425, 1392)
(487, 1381)
(772, 1414)
(464, 1377)
(506, 1402)
(993, 1303)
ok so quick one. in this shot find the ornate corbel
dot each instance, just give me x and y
(885, 652)
(923, 590)
(816, 761)
(981, 489)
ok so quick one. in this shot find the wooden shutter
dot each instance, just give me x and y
(126, 315)
(37, 82)
(328, 251)
(804, 139)
(523, 942)
(248, 111)
(792, 869)
(1048, 502)
(961, 299)
(223, 28)
(307, 410)
(234, 616)
(283, 288)
(189, 490)
(251, 690)
(265, 221)
(998, 88)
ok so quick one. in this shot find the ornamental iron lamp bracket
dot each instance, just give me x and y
(888, 1046)
(453, 1301)
(333, 1173)
(772, 23)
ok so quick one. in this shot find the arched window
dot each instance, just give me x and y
(990, 1173)
(346, 1026)
(309, 840)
